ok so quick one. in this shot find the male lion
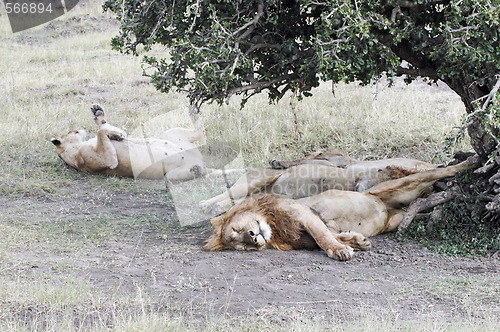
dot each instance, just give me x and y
(112, 153)
(338, 222)
(309, 177)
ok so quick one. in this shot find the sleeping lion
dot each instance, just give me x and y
(337, 159)
(312, 176)
(338, 222)
(174, 157)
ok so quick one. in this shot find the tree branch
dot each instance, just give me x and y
(492, 94)
(259, 85)
(250, 26)
(423, 204)
(424, 72)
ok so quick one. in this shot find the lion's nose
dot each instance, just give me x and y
(252, 236)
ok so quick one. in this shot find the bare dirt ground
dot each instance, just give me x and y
(161, 258)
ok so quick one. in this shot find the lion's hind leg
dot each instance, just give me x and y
(401, 192)
(354, 240)
(112, 132)
(98, 113)
(394, 219)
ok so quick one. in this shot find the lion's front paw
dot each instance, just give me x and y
(206, 206)
(342, 254)
(276, 164)
(113, 133)
(197, 171)
(355, 240)
(363, 243)
(213, 209)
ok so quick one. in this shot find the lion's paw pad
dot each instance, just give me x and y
(97, 110)
(116, 137)
(364, 244)
(342, 254)
(196, 170)
(276, 164)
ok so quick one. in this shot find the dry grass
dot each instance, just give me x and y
(67, 65)
(73, 304)
(365, 122)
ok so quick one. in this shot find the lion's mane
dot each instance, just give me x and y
(286, 233)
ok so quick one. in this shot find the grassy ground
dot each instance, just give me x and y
(51, 76)
(53, 73)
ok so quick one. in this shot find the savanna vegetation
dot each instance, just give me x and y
(90, 253)
(217, 50)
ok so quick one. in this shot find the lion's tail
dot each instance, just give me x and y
(401, 192)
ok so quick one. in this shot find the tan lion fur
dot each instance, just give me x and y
(339, 222)
(338, 159)
(302, 181)
(174, 157)
(287, 234)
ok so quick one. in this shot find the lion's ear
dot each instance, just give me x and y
(252, 201)
(214, 242)
(217, 222)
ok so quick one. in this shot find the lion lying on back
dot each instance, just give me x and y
(338, 222)
(174, 157)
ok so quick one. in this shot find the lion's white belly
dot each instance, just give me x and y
(153, 158)
(344, 211)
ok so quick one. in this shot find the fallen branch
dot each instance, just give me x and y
(485, 169)
(424, 204)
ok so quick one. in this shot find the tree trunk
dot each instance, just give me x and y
(482, 142)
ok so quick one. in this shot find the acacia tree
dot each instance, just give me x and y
(226, 47)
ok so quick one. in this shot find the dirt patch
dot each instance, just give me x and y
(155, 254)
